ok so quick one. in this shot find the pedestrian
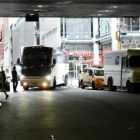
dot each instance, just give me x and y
(2, 83)
(14, 79)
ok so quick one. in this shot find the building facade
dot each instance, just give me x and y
(117, 34)
(74, 35)
(85, 40)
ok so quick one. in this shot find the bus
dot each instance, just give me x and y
(43, 67)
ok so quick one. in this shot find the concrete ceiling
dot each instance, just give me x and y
(70, 8)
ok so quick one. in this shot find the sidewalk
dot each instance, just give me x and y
(73, 82)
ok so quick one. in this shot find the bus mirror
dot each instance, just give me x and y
(54, 61)
(18, 61)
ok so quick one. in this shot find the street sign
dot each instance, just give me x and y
(123, 33)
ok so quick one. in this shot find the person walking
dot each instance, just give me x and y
(2, 83)
(14, 79)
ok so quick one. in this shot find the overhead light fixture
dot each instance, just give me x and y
(99, 14)
(31, 14)
(31, 17)
(64, 2)
(114, 6)
(35, 10)
(133, 21)
(106, 11)
(40, 6)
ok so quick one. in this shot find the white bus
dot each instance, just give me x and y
(43, 67)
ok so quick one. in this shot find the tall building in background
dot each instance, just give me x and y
(74, 35)
(117, 34)
(17, 34)
(22, 34)
(7, 47)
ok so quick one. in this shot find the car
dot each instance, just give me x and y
(92, 77)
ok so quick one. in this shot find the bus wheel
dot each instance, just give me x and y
(54, 84)
(25, 88)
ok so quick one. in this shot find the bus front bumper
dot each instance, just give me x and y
(35, 83)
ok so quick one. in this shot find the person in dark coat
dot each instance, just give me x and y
(2, 83)
(14, 79)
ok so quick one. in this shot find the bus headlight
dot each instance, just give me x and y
(44, 84)
(24, 83)
(48, 77)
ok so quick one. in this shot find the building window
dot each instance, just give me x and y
(132, 23)
(78, 28)
(135, 24)
(104, 24)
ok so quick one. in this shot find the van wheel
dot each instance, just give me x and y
(54, 84)
(82, 85)
(129, 87)
(110, 83)
(93, 85)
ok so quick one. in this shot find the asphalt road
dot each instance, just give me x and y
(70, 114)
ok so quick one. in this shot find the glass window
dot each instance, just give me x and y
(135, 24)
(132, 23)
(85, 70)
(90, 72)
(104, 24)
(78, 28)
(99, 72)
(133, 61)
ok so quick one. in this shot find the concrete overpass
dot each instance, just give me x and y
(70, 8)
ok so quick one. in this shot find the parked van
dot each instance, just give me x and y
(122, 69)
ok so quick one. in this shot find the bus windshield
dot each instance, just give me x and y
(36, 61)
(37, 56)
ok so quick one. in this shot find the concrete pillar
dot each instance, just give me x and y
(114, 30)
(95, 45)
